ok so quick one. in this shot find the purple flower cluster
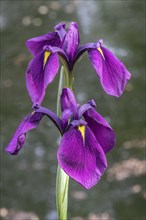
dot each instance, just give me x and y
(65, 43)
(86, 136)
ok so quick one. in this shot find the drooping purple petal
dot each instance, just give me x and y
(36, 44)
(83, 160)
(30, 122)
(101, 129)
(112, 73)
(51, 68)
(71, 41)
(59, 51)
(54, 118)
(68, 101)
(40, 74)
(82, 49)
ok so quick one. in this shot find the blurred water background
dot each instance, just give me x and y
(28, 180)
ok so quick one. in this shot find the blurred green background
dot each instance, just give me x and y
(28, 180)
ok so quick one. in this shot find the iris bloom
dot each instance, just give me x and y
(86, 138)
(63, 43)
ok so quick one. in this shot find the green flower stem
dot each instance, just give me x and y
(68, 79)
(62, 180)
(62, 193)
(61, 85)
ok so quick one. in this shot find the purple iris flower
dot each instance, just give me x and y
(86, 138)
(64, 43)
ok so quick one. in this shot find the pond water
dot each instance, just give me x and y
(28, 180)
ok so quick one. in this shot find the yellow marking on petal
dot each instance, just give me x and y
(46, 56)
(82, 130)
(101, 52)
(33, 113)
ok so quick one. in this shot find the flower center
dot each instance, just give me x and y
(46, 56)
(81, 128)
(101, 52)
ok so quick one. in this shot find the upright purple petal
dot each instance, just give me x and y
(60, 29)
(85, 107)
(101, 129)
(71, 41)
(66, 114)
(82, 159)
(39, 74)
(112, 73)
(36, 44)
(30, 122)
(68, 101)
